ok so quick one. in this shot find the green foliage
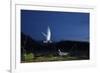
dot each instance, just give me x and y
(28, 57)
(31, 58)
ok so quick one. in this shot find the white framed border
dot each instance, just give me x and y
(17, 66)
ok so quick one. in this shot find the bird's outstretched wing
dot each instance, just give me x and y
(44, 34)
(48, 34)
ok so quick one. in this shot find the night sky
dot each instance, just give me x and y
(63, 25)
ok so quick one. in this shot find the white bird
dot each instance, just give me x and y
(62, 53)
(48, 36)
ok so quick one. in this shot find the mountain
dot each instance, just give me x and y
(75, 48)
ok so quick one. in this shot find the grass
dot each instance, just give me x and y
(28, 57)
(42, 59)
(31, 58)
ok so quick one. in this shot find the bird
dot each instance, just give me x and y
(62, 53)
(47, 35)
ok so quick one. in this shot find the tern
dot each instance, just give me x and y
(62, 53)
(47, 35)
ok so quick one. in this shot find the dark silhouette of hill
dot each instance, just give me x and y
(38, 48)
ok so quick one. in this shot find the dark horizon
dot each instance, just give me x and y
(72, 26)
